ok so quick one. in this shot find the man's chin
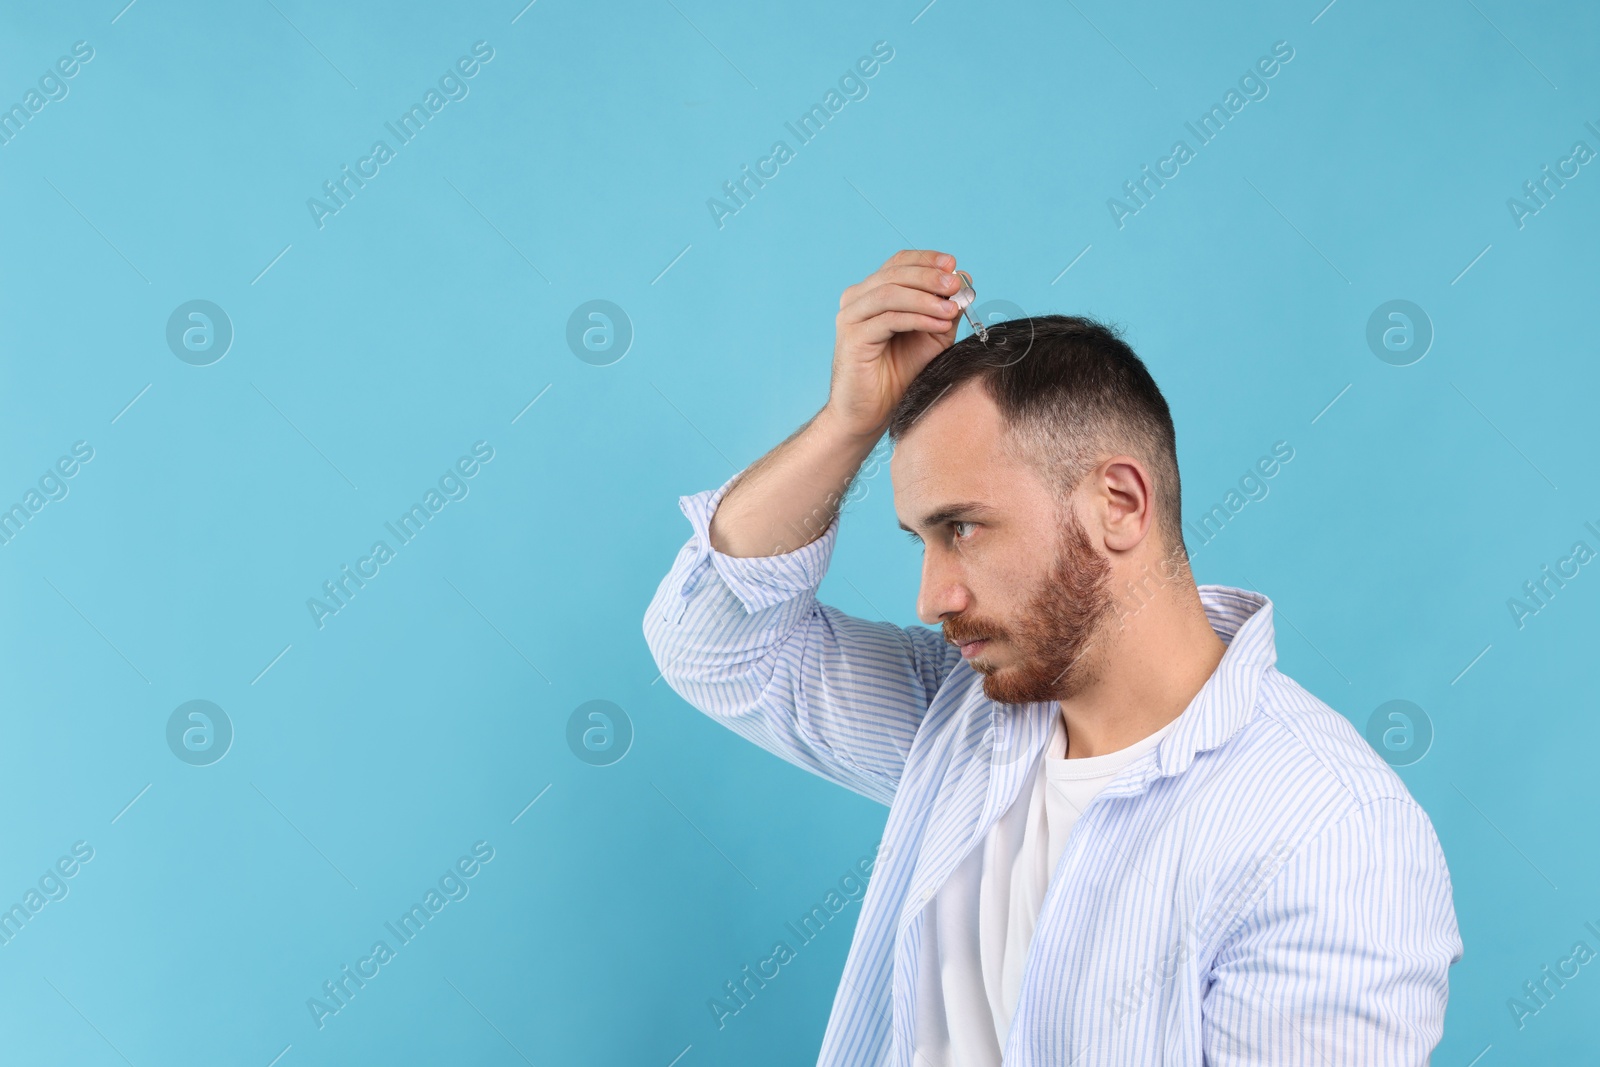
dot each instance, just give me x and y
(999, 687)
(1003, 685)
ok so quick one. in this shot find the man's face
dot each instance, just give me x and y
(999, 564)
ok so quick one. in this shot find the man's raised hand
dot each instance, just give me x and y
(890, 326)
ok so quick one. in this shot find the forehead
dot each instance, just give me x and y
(955, 453)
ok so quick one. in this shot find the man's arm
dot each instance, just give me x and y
(1346, 957)
(736, 627)
(787, 498)
(745, 640)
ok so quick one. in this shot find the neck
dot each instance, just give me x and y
(1149, 670)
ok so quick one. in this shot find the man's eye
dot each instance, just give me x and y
(958, 526)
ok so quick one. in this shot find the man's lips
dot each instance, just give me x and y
(972, 648)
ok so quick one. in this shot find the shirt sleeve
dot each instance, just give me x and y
(1346, 957)
(745, 641)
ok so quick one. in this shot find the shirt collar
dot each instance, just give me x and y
(1228, 699)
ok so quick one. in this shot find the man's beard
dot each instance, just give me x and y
(1053, 649)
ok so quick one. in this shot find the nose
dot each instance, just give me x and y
(942, 591)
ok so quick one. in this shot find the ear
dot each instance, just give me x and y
(1126, 502)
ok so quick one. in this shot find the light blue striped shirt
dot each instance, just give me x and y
(1260, 888)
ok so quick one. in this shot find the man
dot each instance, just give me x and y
(1116, 833)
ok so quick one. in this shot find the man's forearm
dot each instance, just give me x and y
(787, 498)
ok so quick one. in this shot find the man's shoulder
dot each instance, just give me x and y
(1317, 745)
(1299, 779)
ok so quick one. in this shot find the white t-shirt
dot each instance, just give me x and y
(976, 937)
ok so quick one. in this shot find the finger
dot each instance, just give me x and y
(920, 257)
(928, 279)
(884, 326)
(924, 258)
(897, 298)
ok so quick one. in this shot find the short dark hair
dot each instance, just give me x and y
(1071, 393)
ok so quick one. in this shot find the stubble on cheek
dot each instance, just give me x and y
(1053, 644)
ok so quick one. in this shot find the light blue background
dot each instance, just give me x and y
(431, 310)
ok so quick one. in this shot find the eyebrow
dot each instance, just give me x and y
(951, 512)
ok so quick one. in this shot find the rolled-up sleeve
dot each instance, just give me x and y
(745, 641)
(1345, 959)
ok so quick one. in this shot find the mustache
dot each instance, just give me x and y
(959, 633)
